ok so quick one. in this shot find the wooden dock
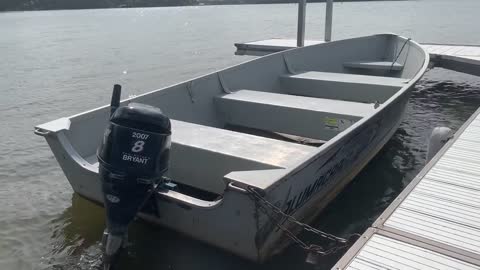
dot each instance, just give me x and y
(435, 222)
(461, 58)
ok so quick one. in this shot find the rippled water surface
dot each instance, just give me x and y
(57, 63)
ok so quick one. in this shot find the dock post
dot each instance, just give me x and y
(328, 20)
(302, 7)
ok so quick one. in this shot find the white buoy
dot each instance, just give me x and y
(438, 138)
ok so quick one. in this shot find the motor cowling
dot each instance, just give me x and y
(133, 157)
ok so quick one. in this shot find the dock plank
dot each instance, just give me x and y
(381, 252)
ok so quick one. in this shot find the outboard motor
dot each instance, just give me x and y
(132, 159)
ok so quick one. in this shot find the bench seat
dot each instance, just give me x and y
(344, 86)
(375, 65)
(309, 117)
(201, 155)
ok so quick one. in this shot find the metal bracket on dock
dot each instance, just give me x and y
(302, 10)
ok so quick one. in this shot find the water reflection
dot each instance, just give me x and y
(76, 235)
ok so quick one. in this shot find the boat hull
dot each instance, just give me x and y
(235, 221)
(249, 232)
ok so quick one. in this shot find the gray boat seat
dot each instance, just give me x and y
(197, 147)
(201, 155)
(372, 65)
(309, 117)
(344, 86)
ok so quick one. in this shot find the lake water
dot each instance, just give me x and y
(58, 63)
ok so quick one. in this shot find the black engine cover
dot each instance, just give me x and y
(137, 141)
(134, 155)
